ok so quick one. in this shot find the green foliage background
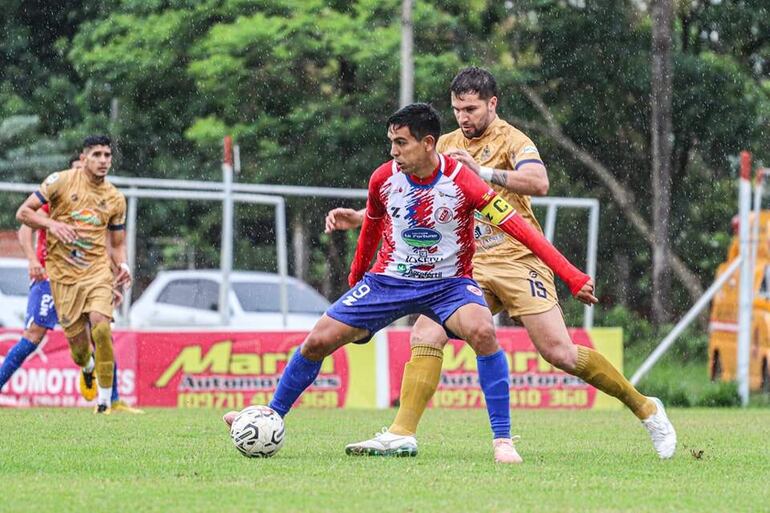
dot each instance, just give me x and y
(304, 87)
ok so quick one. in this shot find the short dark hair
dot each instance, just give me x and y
(96, 140)
(74, 158)
(421, 119)
(474, 80)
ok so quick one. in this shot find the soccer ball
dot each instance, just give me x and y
(257, 432)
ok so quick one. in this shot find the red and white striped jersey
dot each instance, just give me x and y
(428, 223)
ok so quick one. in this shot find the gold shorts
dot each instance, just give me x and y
(74, 301)
(522, 286)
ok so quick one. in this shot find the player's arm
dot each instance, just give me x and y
(344, 219)
(117, 244)
(371, 232)
(117, 251)
(500, 213)
(26, 237)
(29, 215)
(529, 178)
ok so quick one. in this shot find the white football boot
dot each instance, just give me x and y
(505, 452)
(661, 431)
(384, 443)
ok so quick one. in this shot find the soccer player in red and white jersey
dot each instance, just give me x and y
(421, 204)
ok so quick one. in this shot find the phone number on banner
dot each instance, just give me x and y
(532, 398)
(238, 400)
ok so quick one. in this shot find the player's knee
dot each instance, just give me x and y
(428, 338)
(35, 333)
(316, 347)
(560, 356)
(481, 338)
(102, 334)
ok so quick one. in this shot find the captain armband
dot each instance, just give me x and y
(497, 211)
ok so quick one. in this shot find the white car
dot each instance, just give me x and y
(14, 287)
(190, 299)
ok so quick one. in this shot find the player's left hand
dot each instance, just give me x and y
(586, 293)
(123, 279)
(463, 156)
(117, 296)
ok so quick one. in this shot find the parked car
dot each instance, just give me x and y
(190, 299)
(14, 286)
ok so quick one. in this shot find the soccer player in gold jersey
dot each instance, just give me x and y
(84, 208)
(512, 278)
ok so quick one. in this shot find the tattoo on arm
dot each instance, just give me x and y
(499, 177)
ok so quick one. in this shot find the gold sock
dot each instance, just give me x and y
(421, 375)
(105, 359)
(595, 369)
(80, 352)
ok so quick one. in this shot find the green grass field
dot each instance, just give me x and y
(56, 460)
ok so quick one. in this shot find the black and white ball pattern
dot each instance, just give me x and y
(257, 432)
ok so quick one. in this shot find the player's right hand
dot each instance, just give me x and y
(36, 271)
(343, 219)
(586, 293)
(63, 232)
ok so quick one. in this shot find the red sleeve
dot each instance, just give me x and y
(497, 211)
(518, 228)
(371, 229)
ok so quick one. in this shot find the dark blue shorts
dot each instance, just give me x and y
(378, 300)
(40, 307)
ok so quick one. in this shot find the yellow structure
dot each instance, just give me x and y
(723, 324)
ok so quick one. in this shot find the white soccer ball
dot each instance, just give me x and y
(257, 432)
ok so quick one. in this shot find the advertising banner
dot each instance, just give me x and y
(534, 382)
(234, 370)
(231, 370)
(49, 377)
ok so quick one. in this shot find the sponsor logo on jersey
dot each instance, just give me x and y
(529, 149)
(52, 178)
(422, 275)
(474, 290)
(422, 257)
(421, 237)
(444, 215)
(86, 216)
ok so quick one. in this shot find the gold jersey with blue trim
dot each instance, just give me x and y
(501, 146)
(92, 209)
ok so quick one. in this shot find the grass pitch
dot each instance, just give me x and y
(57, 460)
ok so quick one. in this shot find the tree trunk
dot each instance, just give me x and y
(620, 194)
(661, 135)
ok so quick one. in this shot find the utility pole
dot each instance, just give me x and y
(407, 57)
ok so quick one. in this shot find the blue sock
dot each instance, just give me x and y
(115, 395)
(15, 358)
(298, 375)
(495, 383)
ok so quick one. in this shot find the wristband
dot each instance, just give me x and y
(486, 173)
(125, 267)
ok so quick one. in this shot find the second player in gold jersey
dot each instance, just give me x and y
(84, 209)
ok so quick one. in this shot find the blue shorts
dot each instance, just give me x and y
(378, 300)
(40, 307)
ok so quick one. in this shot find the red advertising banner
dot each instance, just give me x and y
(49, 377)
(534, 382)
(229, 370)
(232, 370)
